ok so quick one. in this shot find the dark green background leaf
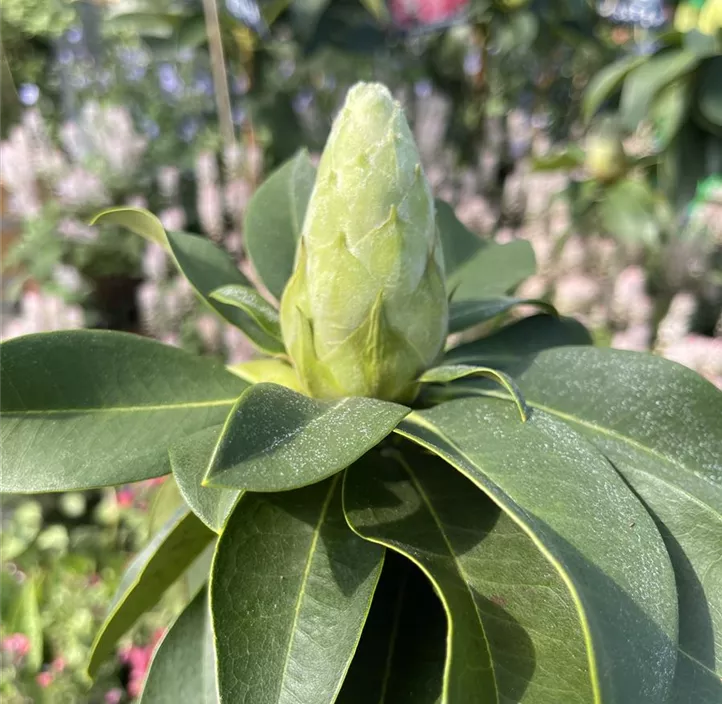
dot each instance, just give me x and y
(274, 220)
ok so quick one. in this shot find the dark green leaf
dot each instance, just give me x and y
(684, 165)
(253, 304)
(400, 659)
(420, 505)
(495, 270)
(607, 82)
(189, 460)
(183, 668)
(465, 314)
(169, 553)
(458, 243)
(290, 590)
(644, 82)
(276, 439)
(82, 409)
(274, 219)
(710, 91)
(518, 340)
(568, 499)
(659, 424)
(206, 266)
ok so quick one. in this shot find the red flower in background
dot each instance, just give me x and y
(407, 13)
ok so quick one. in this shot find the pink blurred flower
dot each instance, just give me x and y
(17, 644)
(138, 658)
(406, 12)
(125, 497)
(58, 665)
(113, 696)
(44, 679)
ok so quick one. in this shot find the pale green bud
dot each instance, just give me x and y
(366, 310)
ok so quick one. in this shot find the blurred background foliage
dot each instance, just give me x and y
(592, 129)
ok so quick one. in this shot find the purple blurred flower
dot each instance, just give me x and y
(28, 94)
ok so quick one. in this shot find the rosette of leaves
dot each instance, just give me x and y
(541, 524)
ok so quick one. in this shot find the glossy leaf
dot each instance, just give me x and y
(495, 270)
(465, 314)
(274, 219)
(516, 341)
(203, 263)
(643, 83)
(568, 499)
(189, 460)
(183, 668)
(420, 505)
(87, 408)
(290, 590)
(457, 241)
(659, 424)
(400, 658)
(153, 570)
(276, 439)
(607, 82)
(253, 304)
(453, 372)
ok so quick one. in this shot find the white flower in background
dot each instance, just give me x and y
(173, 218)
(155, 262)
(677, 323)
(80, 188)
(42, 312)
(77, 231)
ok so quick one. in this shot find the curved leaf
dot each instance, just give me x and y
(659, 424)
(606, 82)
(153, 570)
(517, 341)
(424, 508)
(646, 80)
(276, 439)
(291, 586)
(567, 498)
(400, 658)
(253, 304)
(495, 270)
(274, 219)
(87, 408)
(457, 241)
(206, 266)
(453, 372)
(189, 461)
(177, 673)
(465, 314)
(627, 211)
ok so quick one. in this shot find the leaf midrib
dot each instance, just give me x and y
(304, 579)
(418, 420)
(462, 572)
(119, 409)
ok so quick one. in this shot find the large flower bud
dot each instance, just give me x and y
(366, 311)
